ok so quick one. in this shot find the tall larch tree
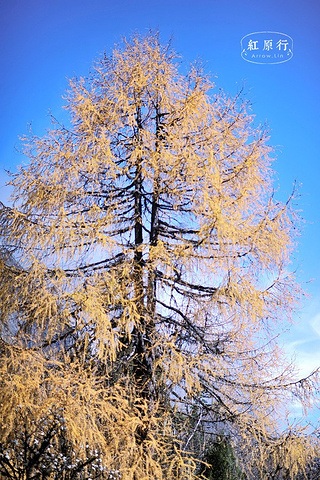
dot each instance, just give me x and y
(144, 276)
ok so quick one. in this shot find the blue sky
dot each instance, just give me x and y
(44, 42)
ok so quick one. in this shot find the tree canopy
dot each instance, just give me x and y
(150, 279)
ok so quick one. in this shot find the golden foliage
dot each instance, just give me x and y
(150, 271)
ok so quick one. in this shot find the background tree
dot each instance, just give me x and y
(151, 267)
(221, 463)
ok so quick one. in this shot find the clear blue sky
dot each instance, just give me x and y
(44, 42)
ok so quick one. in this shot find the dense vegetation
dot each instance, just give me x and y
(144, 277)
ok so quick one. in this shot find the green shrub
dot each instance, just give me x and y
(221, 462)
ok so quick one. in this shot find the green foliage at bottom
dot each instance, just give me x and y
(221, 462)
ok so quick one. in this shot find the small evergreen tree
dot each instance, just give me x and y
(220, 462)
